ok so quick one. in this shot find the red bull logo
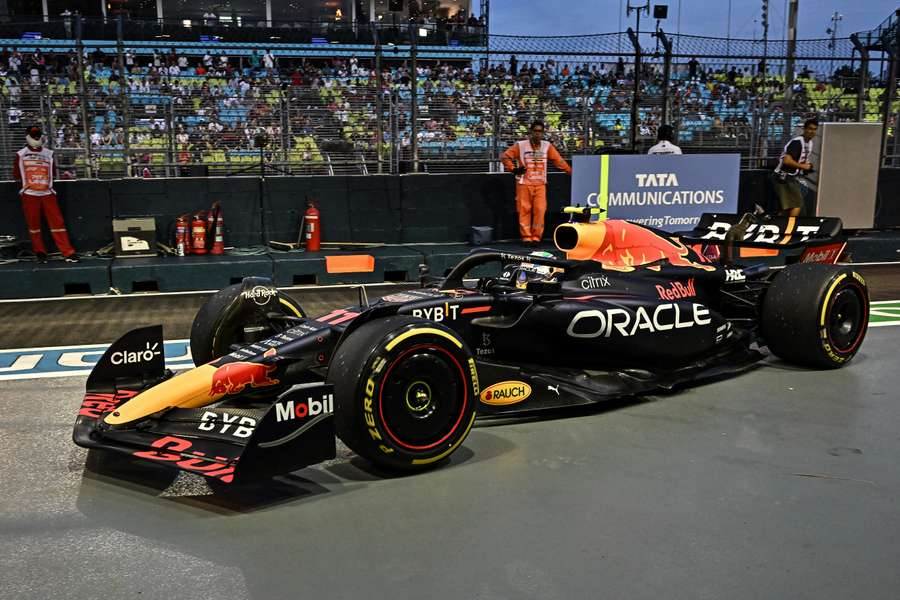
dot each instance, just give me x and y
(622, 246)
(232, 378)
(677, 290)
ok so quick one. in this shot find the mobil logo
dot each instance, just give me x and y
(677, 290)
(292, 409)
(233, 377)
(506, 392)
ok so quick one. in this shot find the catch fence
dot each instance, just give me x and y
(122, 108)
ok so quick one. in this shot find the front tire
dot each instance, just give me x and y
(213, 332)
(405, 392)
(816, 315)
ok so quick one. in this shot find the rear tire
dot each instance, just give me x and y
(816, 315)
(405, 392)
(212, 336)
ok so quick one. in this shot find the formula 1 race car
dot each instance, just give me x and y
(400, 380)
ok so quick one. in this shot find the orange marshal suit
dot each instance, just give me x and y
(531, 187)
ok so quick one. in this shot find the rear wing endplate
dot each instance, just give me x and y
(771, 232)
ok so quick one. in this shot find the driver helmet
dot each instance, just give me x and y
(526, 271)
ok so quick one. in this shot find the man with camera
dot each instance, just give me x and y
(794, 162)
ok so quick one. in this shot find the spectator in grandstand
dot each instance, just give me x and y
(665, 141)
(15, 61)
(269, 62)
(527, 160)
(793, 163)
(34, 169)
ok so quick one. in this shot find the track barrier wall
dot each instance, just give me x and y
(409, 213)
(391, 209)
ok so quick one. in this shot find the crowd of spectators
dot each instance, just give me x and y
(169, 107)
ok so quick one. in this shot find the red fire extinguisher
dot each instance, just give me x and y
(216, 226)
(182, 241)
(312, 231)
(198, 234)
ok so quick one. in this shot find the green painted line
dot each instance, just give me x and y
(884, 313)
(604, 185)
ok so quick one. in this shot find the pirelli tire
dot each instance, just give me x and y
(816, 315)
(213, 332)
(405, 392)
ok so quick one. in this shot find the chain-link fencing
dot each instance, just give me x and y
(152, 109)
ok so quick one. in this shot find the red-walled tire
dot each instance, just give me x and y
(816, 315)
(405, 392)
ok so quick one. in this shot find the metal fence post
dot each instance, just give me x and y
(79, 49)
(379, 104)
(763, 132)
(5, 142)
(635, 99)
(286, 140)
(47, 118)
(886, 107)
(788, 111)
(413, 100)
(123, 96)
(495, 127)
(667, 68)
(862, 80)
(395, 126)
(288, 132)
(585, 122)
(170, 139)
(754, 139)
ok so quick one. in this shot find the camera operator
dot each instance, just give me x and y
(793, 163)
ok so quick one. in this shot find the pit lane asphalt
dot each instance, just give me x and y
(779, 483)
(87, 320)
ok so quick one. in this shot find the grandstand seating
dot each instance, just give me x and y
(319, 117)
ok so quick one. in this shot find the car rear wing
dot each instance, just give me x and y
(764, 232)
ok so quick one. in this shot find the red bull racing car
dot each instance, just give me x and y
(627, 310)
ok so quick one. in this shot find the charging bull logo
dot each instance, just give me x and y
(232, 378)
(622, 246)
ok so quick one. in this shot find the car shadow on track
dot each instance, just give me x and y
(567, 412)
(335, 477)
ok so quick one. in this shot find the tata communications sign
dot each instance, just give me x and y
(667, 192)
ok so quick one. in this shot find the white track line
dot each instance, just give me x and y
(297, 288)
(72, 348)
(197, 292)
(79, 372)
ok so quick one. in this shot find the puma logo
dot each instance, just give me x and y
(554, 388)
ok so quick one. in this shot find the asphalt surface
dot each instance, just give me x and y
(780, 483)
(87, 320)
(90, 320)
